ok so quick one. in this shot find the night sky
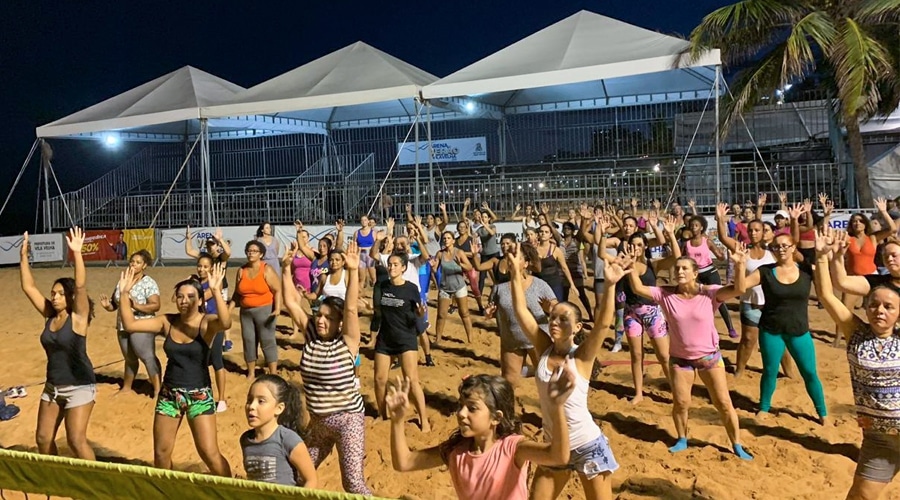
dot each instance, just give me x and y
(59, 57)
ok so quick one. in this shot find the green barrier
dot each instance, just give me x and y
(75, 478)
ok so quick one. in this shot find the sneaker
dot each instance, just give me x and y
(732, 333)
(429, 361)
(227, 346)
(395, 364)
(451, 310)
(221, 407)
(9, 412)
(617, 346)
(357, 384)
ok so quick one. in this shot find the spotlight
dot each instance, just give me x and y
(111, 140)
(541, 185)
(470, 106)
(656, 167)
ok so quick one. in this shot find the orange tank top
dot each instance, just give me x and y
(255, 291)
(861, 261)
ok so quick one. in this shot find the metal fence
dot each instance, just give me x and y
(321, 203)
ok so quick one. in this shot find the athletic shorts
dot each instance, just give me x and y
(365, 260)
(879, 457)
(707, 362)
(397, 346)
(176, 402)
(459, 294)
(591, 459)
(640, 319)
(599, 286)
(750, 315)
(69, 396)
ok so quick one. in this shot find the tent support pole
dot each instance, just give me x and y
(418, 188)
(718, 138)
(431, 208)
(19, 176)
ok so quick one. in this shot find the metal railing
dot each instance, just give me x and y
(323, 203)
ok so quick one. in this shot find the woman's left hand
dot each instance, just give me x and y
(351, 256)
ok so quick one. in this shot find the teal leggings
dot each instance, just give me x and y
(772, 345)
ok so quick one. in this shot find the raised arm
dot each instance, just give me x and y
(856, 285)
(590, 348)
(881, 205)
(189, 245)
(637, 286)
(291, 297)
(226, 247)
(527, 322)
(350, 328)
(27, 281)
(486, 208)
(843, 317)
(516, 211)
(402, 458)
(760, 205)
(156, 324)
(464, 215)
(739, 257)
(721, 229)
(670, 225)
(221, 321)
(692, 204)
(421, 238)
(81, 309)
(445, 219)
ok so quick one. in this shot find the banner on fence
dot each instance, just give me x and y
(138, 239)
(101, 245)
(446, 150)
(44, 248)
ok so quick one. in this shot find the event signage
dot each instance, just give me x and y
(44, 248)
(444, 151)
(98, 245)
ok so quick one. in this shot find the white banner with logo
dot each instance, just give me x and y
(172, 240)
(44, 248)
(446, 150)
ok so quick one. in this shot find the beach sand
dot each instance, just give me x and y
(795, 457)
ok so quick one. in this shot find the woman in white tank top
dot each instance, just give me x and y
(753, 299)
(335, 283)
(591, 456)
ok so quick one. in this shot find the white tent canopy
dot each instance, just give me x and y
(154, 111)
(355, 86)
(584, 61)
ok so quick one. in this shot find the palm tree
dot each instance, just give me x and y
(854, 44)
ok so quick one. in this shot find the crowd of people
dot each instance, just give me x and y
(654, 272)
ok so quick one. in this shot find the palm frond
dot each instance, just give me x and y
(799, 57)
(744, 28)
(751, 85)
(860, 62)
(877, 11)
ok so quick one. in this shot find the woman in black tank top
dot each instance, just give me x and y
(186, 386)
(498, 264)
(69, 392)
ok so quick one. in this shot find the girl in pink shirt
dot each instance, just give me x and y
(689, 309)
(487, 456)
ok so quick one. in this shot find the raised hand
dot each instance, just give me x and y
(126, 281)
(351, 256)
(485, 206)
(514, 261)
(761, 201)
(795, 211)
(545, 208)
(807, 205)
(561, 385)
(298, 224)
(823, 199)
(216, 276)
(442, 206)
(653, 218)
(408, 207)
(390, 226)
(23, 250)
(824, 241)
(418, 220)
(692, 203)
(657, 205)
(187, 232)
(721, 211)
(218, 235)
(467, 202)
(881, 204)
(104, 301)
(290, 254)
(397, 399)
(670, 224)
(75, 239)
(518, 207)
(840, 245)
(739, 254)
(782, 198)
(613, 272)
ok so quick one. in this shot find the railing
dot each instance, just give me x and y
(360, 189)
(324, 203)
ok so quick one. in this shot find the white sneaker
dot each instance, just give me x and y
(617, 347)
(221, 407)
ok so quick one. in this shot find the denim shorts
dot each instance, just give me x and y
(879, 457)
(591, 459)
(69, 396)
(750, 314)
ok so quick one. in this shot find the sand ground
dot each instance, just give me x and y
(795, 457)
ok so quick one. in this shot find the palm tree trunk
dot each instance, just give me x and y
(860, 167)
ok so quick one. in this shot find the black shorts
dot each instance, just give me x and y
(397, 346)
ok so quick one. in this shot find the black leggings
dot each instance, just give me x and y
(712, 277)
(216, 358)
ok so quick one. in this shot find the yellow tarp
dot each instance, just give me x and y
(141, 239)
(83, 479)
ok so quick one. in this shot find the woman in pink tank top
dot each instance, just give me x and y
(701, 249)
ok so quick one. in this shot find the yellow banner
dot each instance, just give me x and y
(74, 478)
(140, 239)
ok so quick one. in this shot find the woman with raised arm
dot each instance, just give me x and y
(753, 300)
(365, 238)
(784, 321)
(690, 307)
(259, 292)
(327, 369)
(137, 346)
(186, 389)
(702, 249)
(572, 243)
(873, 351)
(469, 246)
(864, 240)
(70, 389)
(591, 456)
(553, 268)
(452, 263)
(515, 345)
(265, 234)
(219, 250)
